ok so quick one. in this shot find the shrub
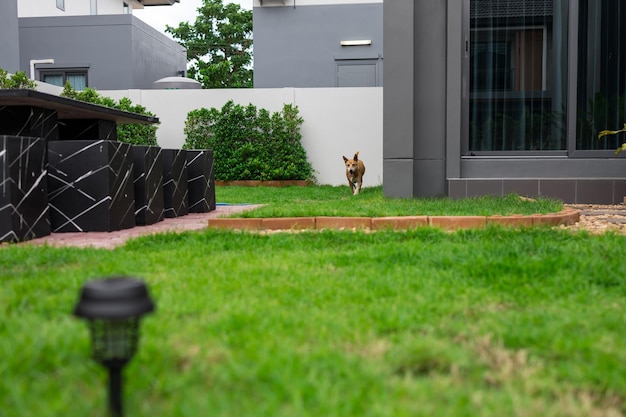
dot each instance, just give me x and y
(17, 80)
(250, 144)
(136, 134)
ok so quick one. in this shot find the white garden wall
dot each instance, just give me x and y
(337, 121)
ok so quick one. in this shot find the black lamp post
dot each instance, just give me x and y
(113, 307)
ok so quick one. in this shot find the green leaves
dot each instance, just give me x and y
(250, 144)
(219, 45)
(614, 132)
(136, 134)
(17, 80)
(611, 132)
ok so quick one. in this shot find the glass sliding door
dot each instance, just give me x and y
(601, 83)
(517, 76)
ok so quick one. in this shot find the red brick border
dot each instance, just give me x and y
(564, 217)
(343, 222)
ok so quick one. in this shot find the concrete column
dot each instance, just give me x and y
(398, 95)
(414, 131)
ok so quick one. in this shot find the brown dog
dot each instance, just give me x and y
(355, 169)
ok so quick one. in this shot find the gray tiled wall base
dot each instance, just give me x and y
(201, 180)
(148, 182)
(90, 185)
(568, 190)
(24, 211)
(175, 185)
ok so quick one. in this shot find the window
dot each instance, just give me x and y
(491, 66)
(601, 82)
(61, 5)
(517, 76)
(76, 78)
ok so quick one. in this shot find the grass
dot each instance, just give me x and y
(337, 201)
(493, 322)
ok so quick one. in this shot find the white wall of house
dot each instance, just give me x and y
(337, 121)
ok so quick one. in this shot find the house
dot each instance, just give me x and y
(498, 97)
(318, 43)
(97, 43)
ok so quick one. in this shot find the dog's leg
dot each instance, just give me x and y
(352, 187)
(357, 187)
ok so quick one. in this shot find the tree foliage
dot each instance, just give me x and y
(219, 45)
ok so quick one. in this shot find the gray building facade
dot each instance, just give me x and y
(110, 52)
(497, 97)
(9, 47)
(301, 46)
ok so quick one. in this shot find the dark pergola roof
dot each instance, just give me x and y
(68, 108)
(495, 9)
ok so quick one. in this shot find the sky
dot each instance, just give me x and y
(185, 11)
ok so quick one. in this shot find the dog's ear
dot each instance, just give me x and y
(345, 159)
(356, 157)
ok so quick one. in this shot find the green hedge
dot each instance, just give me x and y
(250, 144)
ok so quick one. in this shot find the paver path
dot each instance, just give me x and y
(110, 240)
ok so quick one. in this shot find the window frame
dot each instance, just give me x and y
(64, 72)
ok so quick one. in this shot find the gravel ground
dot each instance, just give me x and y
(598, 218)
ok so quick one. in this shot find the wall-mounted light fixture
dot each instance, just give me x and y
(358, 42)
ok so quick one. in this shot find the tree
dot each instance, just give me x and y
(219, 45)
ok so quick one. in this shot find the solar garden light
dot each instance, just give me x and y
(113, 307)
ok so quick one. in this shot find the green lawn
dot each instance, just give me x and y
(493, 322)
(337, 201)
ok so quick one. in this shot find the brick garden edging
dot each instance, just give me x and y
(565, 217)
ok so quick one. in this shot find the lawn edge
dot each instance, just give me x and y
(565, 217)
